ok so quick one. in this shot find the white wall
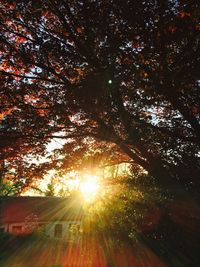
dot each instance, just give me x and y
(71, 230)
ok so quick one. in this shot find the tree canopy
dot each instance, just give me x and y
(118, 80)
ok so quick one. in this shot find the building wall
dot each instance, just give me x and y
(68, 230)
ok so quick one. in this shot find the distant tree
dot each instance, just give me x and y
(10, 184)
(116, 80)
(50, 191)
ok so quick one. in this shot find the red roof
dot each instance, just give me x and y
(17, 209)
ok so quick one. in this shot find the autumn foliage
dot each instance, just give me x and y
(119, 78)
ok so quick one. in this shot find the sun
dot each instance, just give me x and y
(89, 187)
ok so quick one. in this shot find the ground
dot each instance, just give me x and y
(40, 252)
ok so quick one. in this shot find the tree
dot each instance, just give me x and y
(50, 191)
(10, 183)
(103, 74)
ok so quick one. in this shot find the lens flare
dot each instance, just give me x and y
(89, 187)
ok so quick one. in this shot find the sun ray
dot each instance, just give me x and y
(89, 187)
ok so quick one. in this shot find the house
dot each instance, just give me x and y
(55, 217)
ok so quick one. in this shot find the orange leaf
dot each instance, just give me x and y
(172, 29)
(198, 27)
(20, 40)
(184, 14)
(80, 29)
(5, 113)
(45, 14)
